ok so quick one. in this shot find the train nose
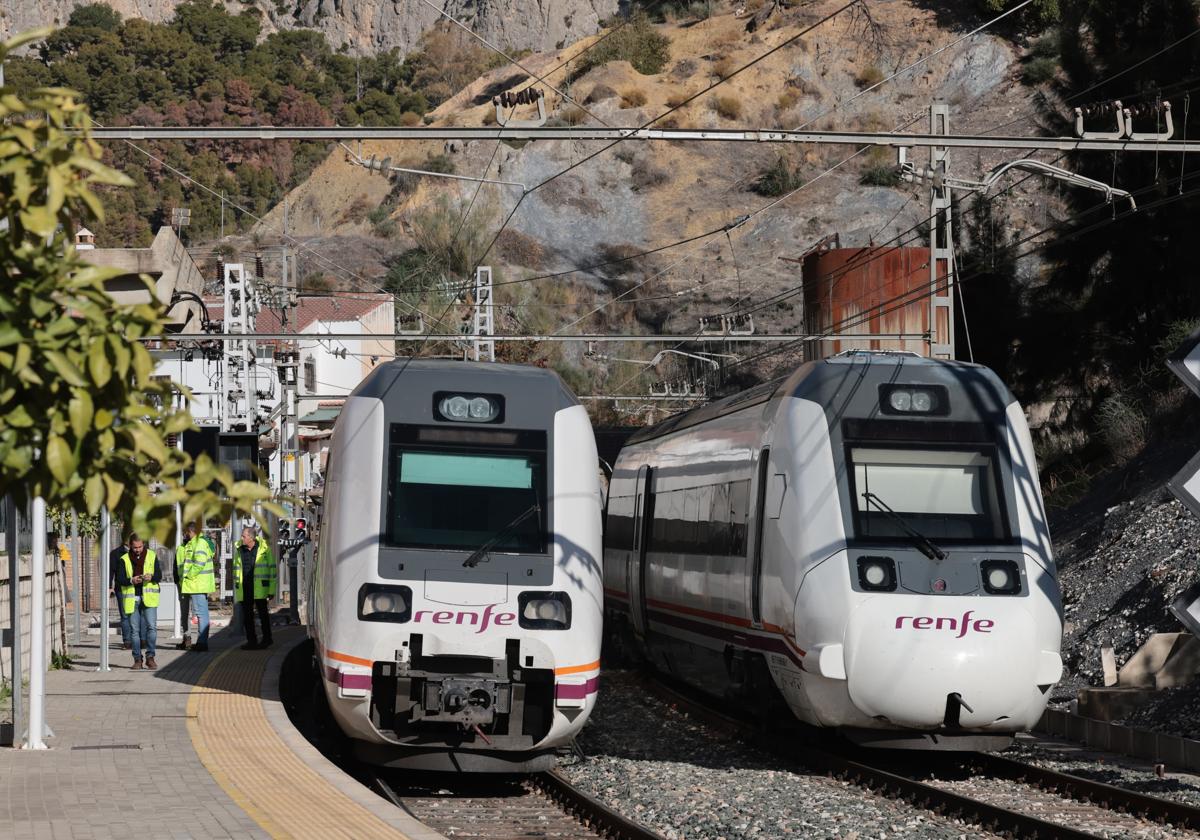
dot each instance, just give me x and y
(916, 663)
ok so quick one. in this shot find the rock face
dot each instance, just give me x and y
(364, 25)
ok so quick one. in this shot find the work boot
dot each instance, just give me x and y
(137, 665)
(150, 663)
(127, 645)
(185, 644)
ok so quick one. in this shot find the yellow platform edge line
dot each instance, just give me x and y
(210, 764)
(261, 808)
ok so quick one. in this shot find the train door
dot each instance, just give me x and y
(760, 514)
(636, 572)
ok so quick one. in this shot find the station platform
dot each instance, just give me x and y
(199, 748)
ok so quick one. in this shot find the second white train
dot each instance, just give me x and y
(866, 538)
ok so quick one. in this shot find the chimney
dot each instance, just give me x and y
(85, 240)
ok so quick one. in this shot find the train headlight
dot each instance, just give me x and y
(469, 408)
(384, 602)
(544, 610)
(1000, 577)
(914, 399)
(877, 574)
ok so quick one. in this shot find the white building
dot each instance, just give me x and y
(327, 369)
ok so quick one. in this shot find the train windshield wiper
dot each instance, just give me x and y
(479, 554)
(922, 542)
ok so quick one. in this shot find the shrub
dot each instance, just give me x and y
(787, 100)
(380, 213)
(729, 107)
(633, 98)
(638, 42)
(409, 119)
(489, 116)
(438, 163)
(777, 179)
(724, 67)
(599, 93)
(1122, 425)
(1177, 332)
(572, 115)
(880, 175)
(1039, 71)
(678, 98)
(644, 174)
(869, 75)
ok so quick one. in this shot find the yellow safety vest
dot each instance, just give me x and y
(196, 570)
(266, 572)
(149, 590)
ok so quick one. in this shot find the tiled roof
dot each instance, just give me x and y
(311, 309)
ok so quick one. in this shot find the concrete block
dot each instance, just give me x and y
(1182, 665)
(1140, 670)
(1108, 660)
(1170, 750)
(1116, 703)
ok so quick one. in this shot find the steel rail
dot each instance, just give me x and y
(651, 339)
(590, 810)
(729, 135)
(874, 778)
(1087, 790)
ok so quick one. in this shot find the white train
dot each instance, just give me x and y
(867, 537)
(457, 598)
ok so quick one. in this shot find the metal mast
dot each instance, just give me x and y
(484, 346)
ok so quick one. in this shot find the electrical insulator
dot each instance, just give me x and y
(258, 266)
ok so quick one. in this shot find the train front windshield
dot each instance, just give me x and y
(460, 497)
(946, 495)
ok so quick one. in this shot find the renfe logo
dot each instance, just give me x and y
(962, 625)
(467, 617)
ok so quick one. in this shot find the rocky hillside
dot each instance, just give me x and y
(362, 25)
(641, 194)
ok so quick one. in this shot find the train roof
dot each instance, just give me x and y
(524, 382)
(820, 380)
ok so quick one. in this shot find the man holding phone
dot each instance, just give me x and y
(138, 578)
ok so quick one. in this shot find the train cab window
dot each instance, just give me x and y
(458, 498)
(946, 495)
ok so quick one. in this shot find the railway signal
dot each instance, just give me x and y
(1185, 485)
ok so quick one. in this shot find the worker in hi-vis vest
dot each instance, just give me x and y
(255, 577)
(138, 577)
(197, 579)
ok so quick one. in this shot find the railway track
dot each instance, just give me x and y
(545, 806)
(1032, 802)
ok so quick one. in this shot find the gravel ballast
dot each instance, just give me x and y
(689, 782)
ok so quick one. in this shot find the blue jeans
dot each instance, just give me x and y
(126, 624)
(200, 608)
(145, 629)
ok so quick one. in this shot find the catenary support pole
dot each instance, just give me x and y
(180, 625)
(102, 585)
(14, 603)
(76, 578)
(37, 630)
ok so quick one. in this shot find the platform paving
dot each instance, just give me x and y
(192, 750)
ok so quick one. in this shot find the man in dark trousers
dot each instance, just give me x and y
(138, 579)
(114, 562)
(255, 577)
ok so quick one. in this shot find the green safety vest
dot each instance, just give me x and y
(266, 573)
(196, 567)
(149, 590)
